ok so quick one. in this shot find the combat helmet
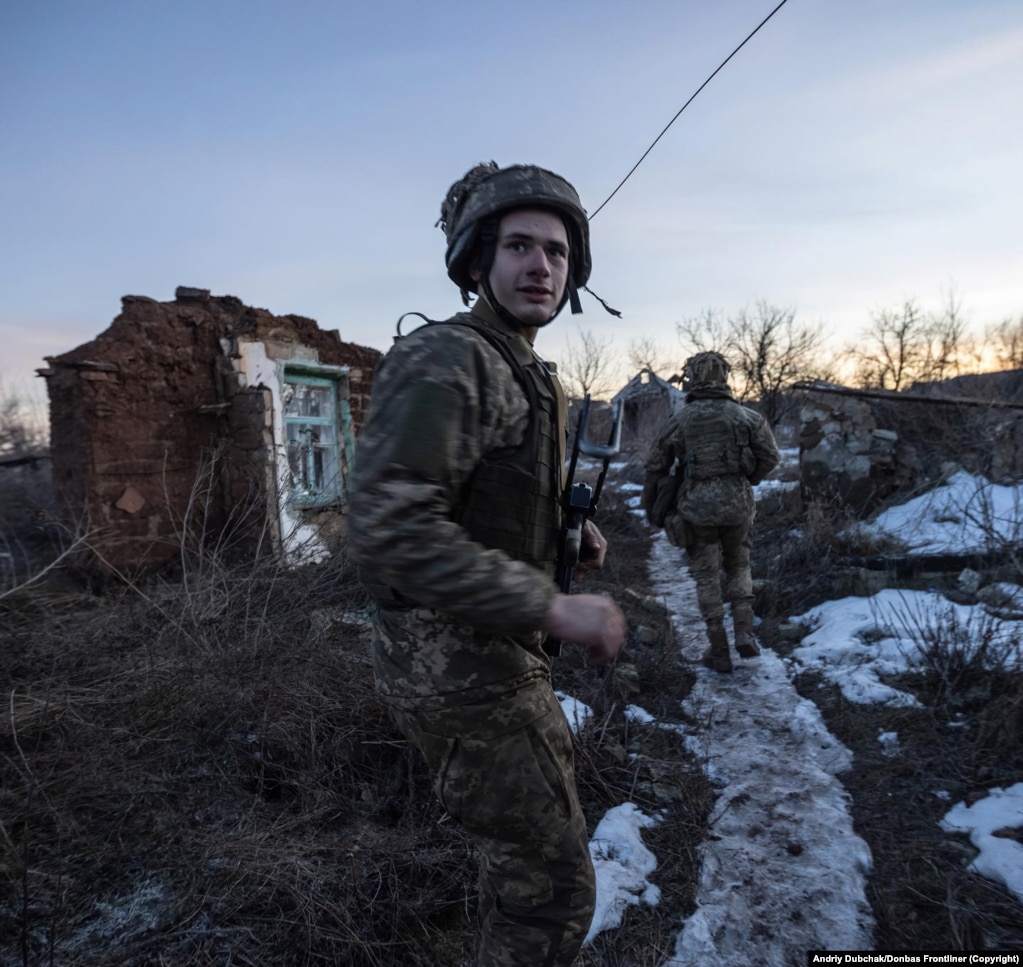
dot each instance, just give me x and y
(707, 367)
(471, 210)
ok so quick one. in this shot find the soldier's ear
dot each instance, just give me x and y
(475, 270)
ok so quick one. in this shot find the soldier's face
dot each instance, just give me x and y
(530, 265)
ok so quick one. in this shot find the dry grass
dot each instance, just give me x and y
(200, 772)
(799, 552)
(207, 786)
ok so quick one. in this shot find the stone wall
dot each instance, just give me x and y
(863, 447)
(845, 455)
(647, 402)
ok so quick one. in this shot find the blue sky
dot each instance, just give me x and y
(851, 156)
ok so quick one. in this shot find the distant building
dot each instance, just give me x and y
(203, 419)
(647, 401)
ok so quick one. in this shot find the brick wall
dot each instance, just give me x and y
(150, 414)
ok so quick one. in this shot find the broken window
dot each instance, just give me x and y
(313, 418)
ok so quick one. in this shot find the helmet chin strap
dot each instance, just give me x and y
(573, 296)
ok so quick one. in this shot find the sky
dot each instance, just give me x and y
(782, 869)
(848, 158)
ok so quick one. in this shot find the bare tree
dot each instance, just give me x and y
(903, 346)
(590, 366)
(705, 332)
(771, 352)
(893, 349)
(1005, 341)
(768, 350)
(645, 353)
(950, 346)
(21, 432)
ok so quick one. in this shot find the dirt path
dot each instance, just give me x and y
(783, 872)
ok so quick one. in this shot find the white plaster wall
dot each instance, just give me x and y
(301, 543)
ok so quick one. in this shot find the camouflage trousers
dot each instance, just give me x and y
(711, 549)
(505, 772)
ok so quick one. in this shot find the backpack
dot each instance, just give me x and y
(712, 449)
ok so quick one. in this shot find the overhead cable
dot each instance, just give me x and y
(684, 106)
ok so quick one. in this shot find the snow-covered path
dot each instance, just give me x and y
(782, 870)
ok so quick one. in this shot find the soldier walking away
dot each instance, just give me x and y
(455, 515)
(699, 486)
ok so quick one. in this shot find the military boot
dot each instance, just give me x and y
(742, 618)
(717, 657)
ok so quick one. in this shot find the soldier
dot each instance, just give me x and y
(718, 450)
(455, 515)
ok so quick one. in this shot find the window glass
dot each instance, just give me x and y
(313, 437)
(309, 400)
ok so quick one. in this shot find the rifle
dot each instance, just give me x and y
(579, 501)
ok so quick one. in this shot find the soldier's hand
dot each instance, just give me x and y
(592, 550)
(590, 620)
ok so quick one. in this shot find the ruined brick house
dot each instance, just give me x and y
(205, 419)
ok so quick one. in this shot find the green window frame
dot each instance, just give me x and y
(313, 415)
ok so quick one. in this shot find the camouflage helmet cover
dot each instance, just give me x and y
(708, 367)
(489, 190)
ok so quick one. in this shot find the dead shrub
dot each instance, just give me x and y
(794, 561)
(1000, 727)
(215, 781)
(961, 659)
(798, 559)
(198, 769)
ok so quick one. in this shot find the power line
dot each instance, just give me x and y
(684, 106)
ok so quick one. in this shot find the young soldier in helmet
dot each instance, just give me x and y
(455, 515)
(722, 449)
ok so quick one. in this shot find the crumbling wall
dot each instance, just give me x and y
(844, 454)
(128, 428)
(862, 446)
(297, 338)
(647, 402)
(153, 425)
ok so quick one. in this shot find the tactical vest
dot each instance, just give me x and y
(712, 448)
(512, 501)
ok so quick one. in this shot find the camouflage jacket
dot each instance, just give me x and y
(459, 620)
(721, 449)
